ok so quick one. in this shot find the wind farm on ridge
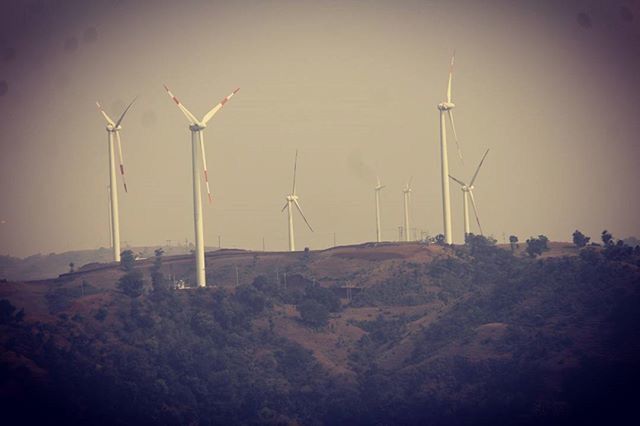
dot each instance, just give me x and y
(198, 153)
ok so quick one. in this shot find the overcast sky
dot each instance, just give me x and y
(550, 87)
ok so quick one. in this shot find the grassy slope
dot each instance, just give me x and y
(442, 324)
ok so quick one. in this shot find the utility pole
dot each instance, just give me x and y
(219, 242)
(263, 244)
(334, 239)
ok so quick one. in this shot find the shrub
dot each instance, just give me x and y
(313, 313)
(131, 283)
(127, 260)
(101, 314)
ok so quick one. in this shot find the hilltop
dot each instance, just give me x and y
(375, 333)
(42, 266)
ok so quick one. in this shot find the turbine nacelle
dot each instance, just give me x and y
(446, 106)
(292, 198)
(113, 129)
(197, 127)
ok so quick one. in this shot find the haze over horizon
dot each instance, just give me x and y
(550, 88)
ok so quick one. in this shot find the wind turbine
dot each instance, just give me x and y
(377, 192)
(197, 138)
(292, 199)
(446, 108)
(467, 192)
(114, 129)
(407, 195)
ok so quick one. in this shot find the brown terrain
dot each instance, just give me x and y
(344, 269)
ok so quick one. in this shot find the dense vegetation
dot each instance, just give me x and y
(563, 346)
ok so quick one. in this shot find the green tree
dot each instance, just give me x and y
(536, 246)
(324, 296)
(8, 313)
(440, 239)
(71, 267)
(127, 260)
(607, 238)
(252, 298)
(157, 277)
(478, 243)
(313, 313)
(101, 314)
(579, 239)
(513, 240)
(131, 283)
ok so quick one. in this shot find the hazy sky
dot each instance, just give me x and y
(550, 87)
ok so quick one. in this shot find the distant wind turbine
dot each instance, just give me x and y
(446, 107)
(197, 138)
(114, 129)
(377, 192)
(407, 198)
(292, 199)
(467, 192)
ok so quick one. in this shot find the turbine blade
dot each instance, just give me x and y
(192, 119)
(285, 206)
(125, 111)
(295, 165)
(461, 183)
(475, 211)
(204, 166)
(409, 183)
(109, 120)
(453, 57)
(473, 179)
(455, 135)
(302, 214)
(121, 160)
(208, 116)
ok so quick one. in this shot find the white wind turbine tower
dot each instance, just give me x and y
(467, 192)
(407, 198)
(197, 138)
(292, 199)
(446, 107)
(114, 129)
(377, 192)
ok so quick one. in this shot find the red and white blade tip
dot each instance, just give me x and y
(224, 101)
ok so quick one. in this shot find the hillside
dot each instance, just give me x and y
(382, 334)
(43, 266)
